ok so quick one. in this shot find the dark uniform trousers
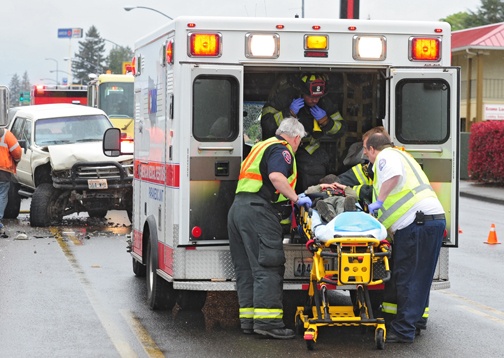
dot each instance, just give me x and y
(255, 240)
(414, 259)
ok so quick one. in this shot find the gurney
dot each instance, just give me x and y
(348, 254)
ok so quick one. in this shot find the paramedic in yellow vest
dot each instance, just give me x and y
(267, 178)
(305, 98)
(408, 207)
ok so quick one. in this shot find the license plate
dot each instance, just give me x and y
(303, 266)
(97, 184)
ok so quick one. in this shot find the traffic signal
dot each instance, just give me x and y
(21, 96)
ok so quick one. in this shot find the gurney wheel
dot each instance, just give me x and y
(380, 338)
(299, 326)
(310, 344)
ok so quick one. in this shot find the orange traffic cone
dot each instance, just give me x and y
(492, 236)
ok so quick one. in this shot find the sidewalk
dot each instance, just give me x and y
(485, 192)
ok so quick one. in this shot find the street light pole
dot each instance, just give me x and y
(53, 59)
(129, 8)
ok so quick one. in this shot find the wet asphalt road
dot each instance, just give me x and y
(69, 291)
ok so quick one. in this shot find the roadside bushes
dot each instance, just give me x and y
(486, 152)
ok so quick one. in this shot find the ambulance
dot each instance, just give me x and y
(200, 83)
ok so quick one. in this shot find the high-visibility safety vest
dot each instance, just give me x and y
(362, 178)
(250, 179)
(416, 188)
(10, 151)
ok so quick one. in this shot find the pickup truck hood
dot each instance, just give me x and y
(64, 156)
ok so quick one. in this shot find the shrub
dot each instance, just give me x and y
(486, 152)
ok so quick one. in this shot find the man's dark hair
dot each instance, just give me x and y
(378, 141)
(329, 179)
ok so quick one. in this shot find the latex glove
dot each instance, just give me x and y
(304, 200)
(296, 105)
(378, 204)
(317, 112)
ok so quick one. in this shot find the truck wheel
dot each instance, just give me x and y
(45, 208)
(139, 269)
(13, 203)
(191, 300)
(97, 213)
(160, 293)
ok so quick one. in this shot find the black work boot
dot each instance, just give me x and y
(278, 333)
(349, 204)
(325, 211)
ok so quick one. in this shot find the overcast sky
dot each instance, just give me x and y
(29, 28)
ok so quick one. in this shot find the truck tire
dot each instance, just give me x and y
(97, 213)
(13, 203)
(191, 300)
(45, 209)
(160, 293)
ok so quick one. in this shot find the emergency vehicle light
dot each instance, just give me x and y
(425, 49)
(262, 45)
(169, 52)
(40, 88)
(205, 45)
(369, 48)
(316, 42)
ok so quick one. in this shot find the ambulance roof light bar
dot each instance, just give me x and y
(369, 48)
(262, 45)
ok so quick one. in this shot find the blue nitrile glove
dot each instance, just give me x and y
(304, 200)
(296, 105)
(378, 204)
(318, 112)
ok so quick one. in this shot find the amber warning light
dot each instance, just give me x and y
(425, 49)
(205, 45)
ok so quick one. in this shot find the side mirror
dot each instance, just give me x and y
(4, 105)
(115, 144)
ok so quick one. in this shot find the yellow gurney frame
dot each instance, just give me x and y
(356, 258)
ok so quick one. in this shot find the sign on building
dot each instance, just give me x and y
(493, 112)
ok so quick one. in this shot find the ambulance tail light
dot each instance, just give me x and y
(205, 45)
(369, 48)
(262, 45)
(196, 232)
(425, 49)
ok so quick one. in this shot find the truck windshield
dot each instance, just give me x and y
(116, 99)
(63, 130)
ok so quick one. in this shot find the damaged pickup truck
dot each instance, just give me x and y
(63, 168)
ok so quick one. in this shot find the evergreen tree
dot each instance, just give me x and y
(117, 56)
(90, 58)
(15, 89)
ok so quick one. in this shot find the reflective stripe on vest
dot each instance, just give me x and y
(358, 171)
(250, 179)
(268, 313)
(391, 308)
(416, 188)
(247, 312)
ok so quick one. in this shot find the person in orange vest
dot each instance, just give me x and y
(10, 155)
(267, 180)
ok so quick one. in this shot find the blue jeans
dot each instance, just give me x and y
(4, 196)
(415, 256)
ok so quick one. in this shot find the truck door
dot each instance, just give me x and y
(215, 149)
(424, 119)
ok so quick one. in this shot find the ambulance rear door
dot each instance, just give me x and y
(215, 153)
(424, 119)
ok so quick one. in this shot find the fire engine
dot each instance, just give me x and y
(113, 94)
(196, 72)
(45, 94)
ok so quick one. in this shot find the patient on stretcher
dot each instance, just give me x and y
(348, 223)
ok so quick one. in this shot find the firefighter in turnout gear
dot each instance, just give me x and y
(305, 99)
(267, 180)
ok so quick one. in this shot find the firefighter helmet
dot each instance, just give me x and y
(313, 85)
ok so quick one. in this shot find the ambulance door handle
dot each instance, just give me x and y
(221, 149)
